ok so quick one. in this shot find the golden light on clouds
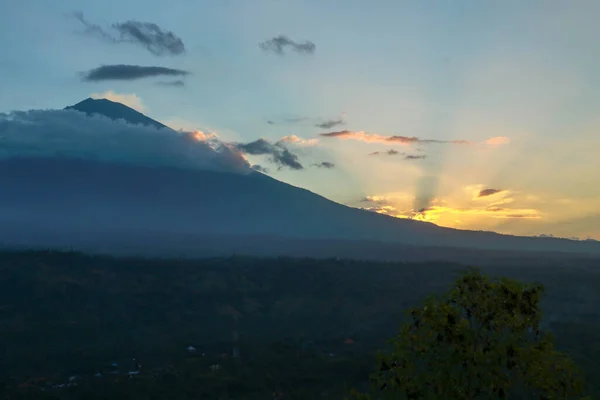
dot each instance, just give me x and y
(478, 208)
(296, 140)
(406, 140)
(497, 141)
(203, 137)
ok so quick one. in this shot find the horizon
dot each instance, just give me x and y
(479, 117)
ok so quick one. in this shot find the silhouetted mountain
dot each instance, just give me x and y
(105, 206)
(114, 110)
(84, 197)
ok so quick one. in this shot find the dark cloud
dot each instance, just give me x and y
(285, 121)
(149, 35)
(146, 34)
(415, 157)
(260, 168)
(330, 124)
(178, 83)
(488, 192)
(390, 152)
(70, 133)
(129, 72)
(324, 164)
(93, 29)
(279, 43)
(279, 154)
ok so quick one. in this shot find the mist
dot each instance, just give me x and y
(73, 134)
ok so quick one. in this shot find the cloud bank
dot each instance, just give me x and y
(125, 72)
(146, 34)
(70, 133)
(280, 43)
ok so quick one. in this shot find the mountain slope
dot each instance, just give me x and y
(114, 110)
(77, 200)
(85, 197)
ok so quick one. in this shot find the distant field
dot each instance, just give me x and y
(67, 314)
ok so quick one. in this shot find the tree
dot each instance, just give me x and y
(482, 339)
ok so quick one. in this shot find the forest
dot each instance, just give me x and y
(81, 326)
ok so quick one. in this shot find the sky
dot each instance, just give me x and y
(468, 114)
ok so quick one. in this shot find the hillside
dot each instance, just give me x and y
(67, 314)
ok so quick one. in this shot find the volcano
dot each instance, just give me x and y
(100, 205)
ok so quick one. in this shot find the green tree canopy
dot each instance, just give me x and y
(481, 340)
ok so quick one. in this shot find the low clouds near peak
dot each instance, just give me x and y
(125, 72)
(70, 133)
(279, 154)
(146, 34)
(279, 44)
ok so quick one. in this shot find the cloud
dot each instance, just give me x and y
(376, 138)
(260, 168)
(128, 72)
(488, 192)
(286, 121)
(298, 141)
(70, 133)
(151, 36)
(280, 155)
(405, 140)
(330, 123)
(324, 164)
(146, 34)
(178, 83)
(393, 152)
(129, 99)
(497, 141)
(399, 207)
(279, 43)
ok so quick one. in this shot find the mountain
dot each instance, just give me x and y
(114, 110)
(103, 206)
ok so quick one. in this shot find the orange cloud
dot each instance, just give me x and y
(402, 140)
(497, 141)
(293, 139)
(445, 214)
(203, 137)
